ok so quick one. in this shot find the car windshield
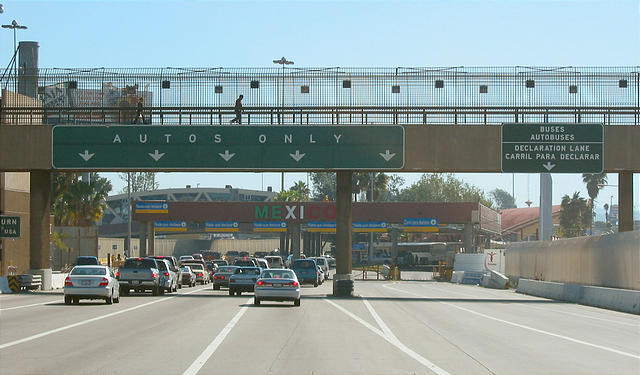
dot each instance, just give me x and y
(139, 263)
(225, 269)
(305, 263)
(248, 271)
(279, 274)
(85, 271)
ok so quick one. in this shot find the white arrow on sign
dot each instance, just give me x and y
(226, 156)
(297, 156)
(86, 156)
(156, 156)
(387, 156)
(548, 166)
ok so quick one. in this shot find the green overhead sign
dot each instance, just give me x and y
(9, 226)
(552, 148)
(228, 147)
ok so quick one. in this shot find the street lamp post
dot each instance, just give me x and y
(283, 61)
(15, 26)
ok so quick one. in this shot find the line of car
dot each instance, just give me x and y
(266, 277)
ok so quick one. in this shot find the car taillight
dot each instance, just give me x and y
(104, 282)
(67, 282)
(294, 283)
(199, 274)
(260, 282)
(232, 280)
(166, 274)
(118, 275)
(154, 275)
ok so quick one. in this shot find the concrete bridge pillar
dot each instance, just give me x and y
(343, 227)
(151, 246)
(39, 226)
(625, 201)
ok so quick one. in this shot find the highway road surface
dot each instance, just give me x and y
(391, 328)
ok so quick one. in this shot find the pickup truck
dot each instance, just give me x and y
(139, 274)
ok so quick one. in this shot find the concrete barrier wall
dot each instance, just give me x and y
(615, 299)
(611, 261)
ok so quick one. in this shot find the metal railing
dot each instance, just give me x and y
(447, 95)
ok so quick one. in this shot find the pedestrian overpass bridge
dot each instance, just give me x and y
(449, 116)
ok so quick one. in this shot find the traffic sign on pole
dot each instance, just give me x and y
(552, 148)
(9, 226)
(228, 147)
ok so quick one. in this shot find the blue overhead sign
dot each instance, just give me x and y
(420, 224)
(152, 208)
(321, 226)
(369, 226)
(221, 226)
(270, 226)
(169, 226)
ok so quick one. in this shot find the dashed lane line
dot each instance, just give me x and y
(526, 327)
(87, 321)
(213, 346)
(31, 305)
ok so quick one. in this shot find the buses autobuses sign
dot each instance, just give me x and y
(552, 148)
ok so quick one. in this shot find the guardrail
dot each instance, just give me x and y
(310, 115)
(30, 282)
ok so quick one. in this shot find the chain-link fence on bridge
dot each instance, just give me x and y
(449, 95)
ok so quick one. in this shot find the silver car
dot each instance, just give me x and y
(91, 282)
(168, 277)
(277, 285)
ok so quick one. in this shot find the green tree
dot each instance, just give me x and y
(595, 182)
(502, 199)
(78, 203)
(575, 216)
(299, 192)
(394, 187)
(324, 185)
(140, 181)
(362, 183)
(443, 187)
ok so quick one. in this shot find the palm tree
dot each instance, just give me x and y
(77, 203)
(298, 193)
(595, 182)
(575, 216)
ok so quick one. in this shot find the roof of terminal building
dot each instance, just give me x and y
(514, 218)
(144, 194)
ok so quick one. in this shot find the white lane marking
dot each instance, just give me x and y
(33, 304)
(387, 331)
(546, 308)
(528, 328)
(83, 322)
(392, 340)
(213, 346)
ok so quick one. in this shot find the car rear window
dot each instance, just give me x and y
(197, 267)
(97, 271)
(87, 261)
(277, 275)
(304, 263)
(139, 263)
(248, 271)
(226, 269)
(186, 269)
(162, 266)
(321, 261)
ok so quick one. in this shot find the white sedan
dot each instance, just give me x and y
(91, 282)
(277, 285)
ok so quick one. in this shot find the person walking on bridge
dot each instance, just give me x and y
(139, 111)
(238, 110)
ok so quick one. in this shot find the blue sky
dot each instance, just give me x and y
(334, 33)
